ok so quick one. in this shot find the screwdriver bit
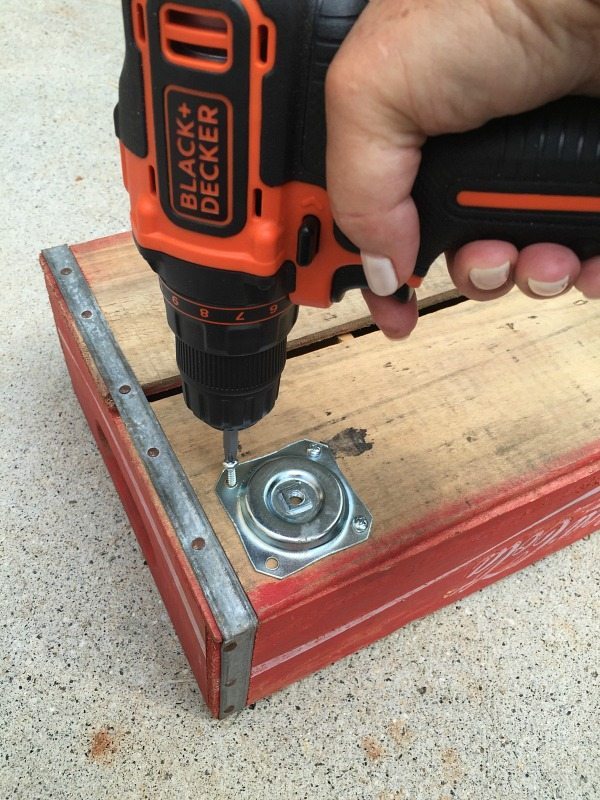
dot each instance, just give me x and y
(230, 449)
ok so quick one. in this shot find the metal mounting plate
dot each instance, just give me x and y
(294, 507)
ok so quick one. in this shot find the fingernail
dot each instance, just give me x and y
(548, 288)
(380, 273)
(488, 279)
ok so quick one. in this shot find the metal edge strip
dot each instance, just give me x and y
(224, 593)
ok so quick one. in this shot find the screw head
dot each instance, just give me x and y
(314, 450)
(231, 481)
(360, 524)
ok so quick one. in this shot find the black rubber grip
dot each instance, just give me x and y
(333, 21)
(130, 112)
(525, 179)
(309, 34)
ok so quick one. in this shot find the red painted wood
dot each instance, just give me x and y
(189, 612)
(435, 571)
(335, 608)
(104, 243)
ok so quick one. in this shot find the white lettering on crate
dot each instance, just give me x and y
(491, 565)
(484, 568)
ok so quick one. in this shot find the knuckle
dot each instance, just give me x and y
(357, 220)
(362, 228)
(336, 79)
(343, 81)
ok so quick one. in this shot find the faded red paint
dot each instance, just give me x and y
(337, 607)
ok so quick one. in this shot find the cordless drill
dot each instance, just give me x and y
(221, 119)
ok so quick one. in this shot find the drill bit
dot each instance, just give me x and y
(230, 449)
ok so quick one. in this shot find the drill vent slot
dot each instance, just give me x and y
(201, 39)
(263, 44)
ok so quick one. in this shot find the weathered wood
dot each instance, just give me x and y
(128, 294)
(482, 396)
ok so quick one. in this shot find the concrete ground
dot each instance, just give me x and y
(496, 697)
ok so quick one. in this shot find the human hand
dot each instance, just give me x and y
(412, 69)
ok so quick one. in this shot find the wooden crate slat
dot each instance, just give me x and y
(128, 294)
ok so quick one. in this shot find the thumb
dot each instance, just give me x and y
(373, 156)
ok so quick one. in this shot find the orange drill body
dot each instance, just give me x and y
(187, 199)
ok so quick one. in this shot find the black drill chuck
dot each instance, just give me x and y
(230, 393)
(231, 332)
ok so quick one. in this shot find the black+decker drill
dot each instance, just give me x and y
(222, 125)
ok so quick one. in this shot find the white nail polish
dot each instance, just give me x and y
(547, 288)
(380, 273)
(489, 279)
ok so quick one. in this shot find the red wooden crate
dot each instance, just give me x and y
(473, 446)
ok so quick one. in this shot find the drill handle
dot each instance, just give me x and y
(530, 178)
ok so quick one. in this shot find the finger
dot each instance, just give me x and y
(546, 270)
(396, 320)
(483, 270)
(372, 162)
(588, 281)
(385, 93)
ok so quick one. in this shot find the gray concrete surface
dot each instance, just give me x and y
(496, 697)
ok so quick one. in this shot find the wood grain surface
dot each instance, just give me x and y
(483, 399)
(128, 293)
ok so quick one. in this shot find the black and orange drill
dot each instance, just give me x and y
(222, 125)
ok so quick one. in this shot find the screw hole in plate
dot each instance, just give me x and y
(272, 563)
(199, 543)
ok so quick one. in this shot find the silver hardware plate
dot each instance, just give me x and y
(294, 507)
